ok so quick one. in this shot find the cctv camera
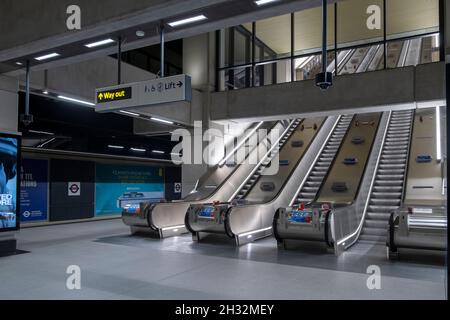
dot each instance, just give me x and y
(324, 80)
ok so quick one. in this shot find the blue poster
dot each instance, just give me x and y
(9, 146)
(118, 186)
(34, 190)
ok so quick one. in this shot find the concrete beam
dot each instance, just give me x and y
(41, 24)
(108, 26)
(395, 88)
(80, 80)
(9, 114)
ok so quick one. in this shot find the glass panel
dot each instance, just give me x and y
(361, 59)
(307, 67)
(353, 22)
(242, 48)
(236, 46)
(236, 78)
(410, 17)
(418, 50)
(273, 72)
(274, 35)
(308, 30)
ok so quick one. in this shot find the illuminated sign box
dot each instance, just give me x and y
(114, 95)
(145, 93)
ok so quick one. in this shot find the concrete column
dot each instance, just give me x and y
(9, 117)
(9, 97)
(199, 64)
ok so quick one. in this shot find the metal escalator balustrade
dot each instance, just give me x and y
(389, 181)
(311, 187)
(257, 174)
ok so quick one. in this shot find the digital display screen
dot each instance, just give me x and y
(207, 212)
(9, 158)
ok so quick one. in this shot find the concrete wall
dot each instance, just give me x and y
(356, 92)
(9, 104)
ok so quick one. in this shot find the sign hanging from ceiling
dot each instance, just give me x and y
(145, 93)
(114, 95)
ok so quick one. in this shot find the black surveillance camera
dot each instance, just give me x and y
(324, 80)
(26, 119)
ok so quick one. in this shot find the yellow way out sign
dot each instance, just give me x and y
(114, 95)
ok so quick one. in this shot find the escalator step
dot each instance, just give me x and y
(391, 171)
(377, 224)
(375, 231)
(385, 202)
(394, 183)
(382, 209)
(380, 216)
(385, 195)
(389, 177)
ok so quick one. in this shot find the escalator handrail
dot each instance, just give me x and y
(209, 196)
(408, 157)
(266, 156)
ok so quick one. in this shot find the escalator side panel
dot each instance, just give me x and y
(424, 181)
(365, 125)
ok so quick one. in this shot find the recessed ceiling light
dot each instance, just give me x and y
(263, 2)
(161, 120)
(140, 33)
(188, 20)
(45, 92)
(116, 147)
(129, 113)
(99, 43)
(76, 100)
(47, 56)
(19, 63)
(138, 150)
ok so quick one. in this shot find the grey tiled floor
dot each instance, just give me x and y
(115, 265)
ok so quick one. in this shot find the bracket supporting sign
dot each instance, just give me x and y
(145, 93)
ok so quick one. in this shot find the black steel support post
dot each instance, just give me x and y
(292, 46)
(385, 34)
(336, 62)
(324, 35)
(324, 80)
(162, 40)
(27, 118)
(253, 53)
(442, 25)
(119, 61)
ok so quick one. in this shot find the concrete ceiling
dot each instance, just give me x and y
(32, 36)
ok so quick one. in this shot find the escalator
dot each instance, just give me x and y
(389, 178)
(311, 186)
(248, 214)
(419, 222)
(339, 191)
(167, 219)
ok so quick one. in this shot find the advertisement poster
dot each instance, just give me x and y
(117, 186)
(9, 147)
(34, 190)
